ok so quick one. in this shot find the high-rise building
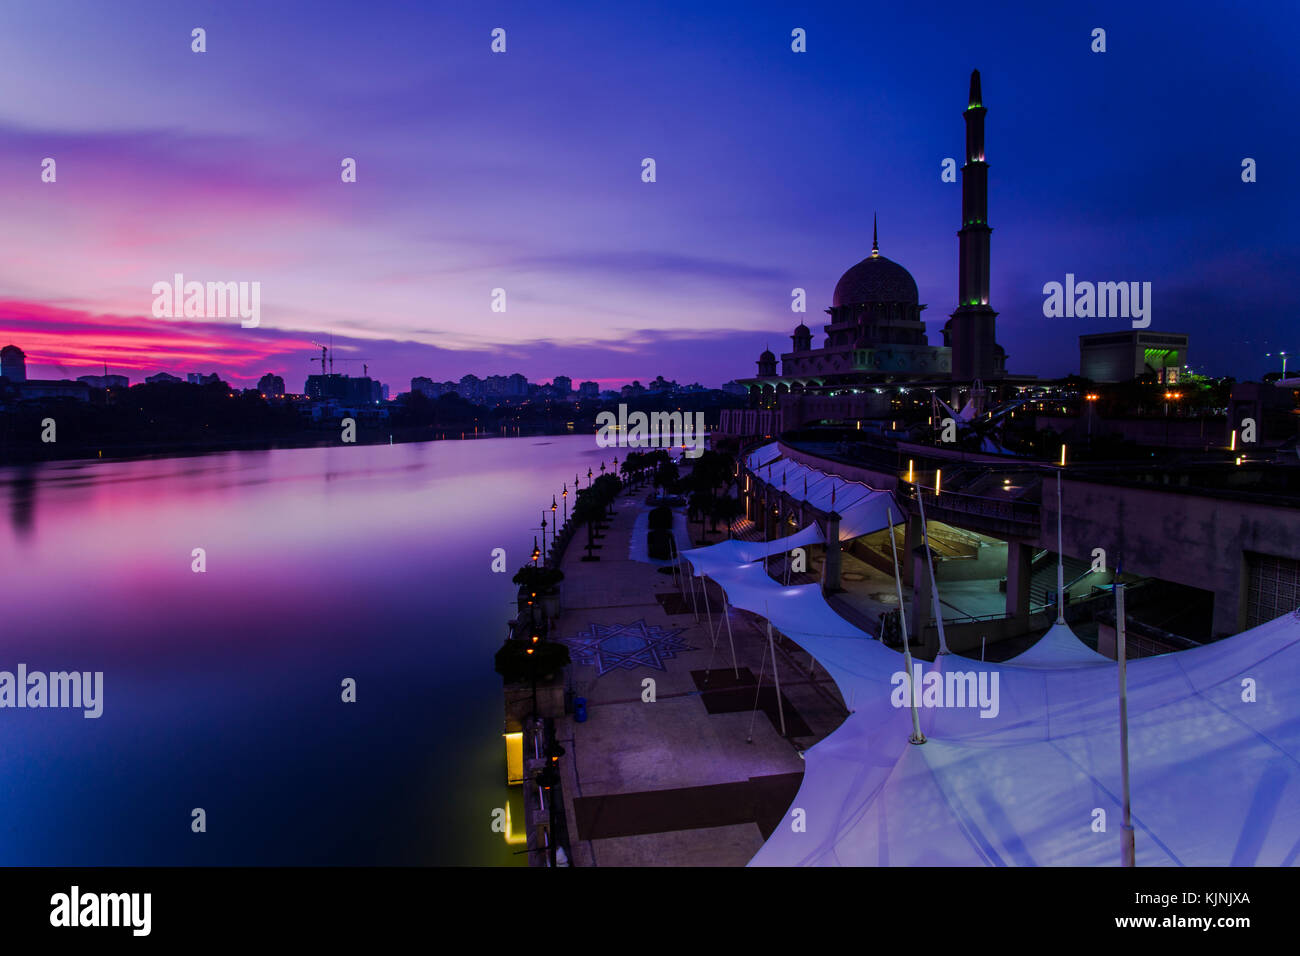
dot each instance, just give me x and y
(272, 386)
(589, 390)
(970, 330)
(563, 385)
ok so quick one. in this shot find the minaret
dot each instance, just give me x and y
(971, 329)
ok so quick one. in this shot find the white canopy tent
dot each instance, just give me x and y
(1021, 765)
(1215, 763)
(1059, 647)
(730, 554)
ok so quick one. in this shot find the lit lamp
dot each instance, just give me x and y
(565, 496)
(536, 554)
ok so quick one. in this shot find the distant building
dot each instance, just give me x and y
(198, 378)
(105, 381)
(517, 386)
(735, 388)
(589, 390)
(343, 388)
(13, 363)
(272, 386)
(36, 389)
(563, 385)
(1124, 356)
(633, 390)
(163, 378)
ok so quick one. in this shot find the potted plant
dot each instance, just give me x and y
(541, 587)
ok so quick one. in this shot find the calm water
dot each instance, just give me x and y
(222, 689)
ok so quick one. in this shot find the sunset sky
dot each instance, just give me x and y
(523, 171)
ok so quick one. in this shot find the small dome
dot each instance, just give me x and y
(875, 279)
(767, 356)
(801, 330)
(12, 351)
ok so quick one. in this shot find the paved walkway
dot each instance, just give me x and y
(697, 777)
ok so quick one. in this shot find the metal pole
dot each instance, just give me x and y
(780, 709)
(704, 586)
(694, 604)
(1128, 851)
(934, 586)
(1060, 558)
(726, 611)
(917, 737)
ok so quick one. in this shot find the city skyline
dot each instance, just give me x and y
(467, 162)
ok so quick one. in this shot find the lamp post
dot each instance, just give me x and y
(565, 496)
(589, 474)
(552, 518)
(543, 531)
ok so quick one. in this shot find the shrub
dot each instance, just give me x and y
(516, 665)
(539, 580)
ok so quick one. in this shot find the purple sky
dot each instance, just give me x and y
(522, 171)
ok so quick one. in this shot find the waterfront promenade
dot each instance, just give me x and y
(674, 782)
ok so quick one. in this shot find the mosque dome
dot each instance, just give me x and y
(875, 279)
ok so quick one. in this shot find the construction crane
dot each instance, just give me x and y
(327, 358)
(324, 351)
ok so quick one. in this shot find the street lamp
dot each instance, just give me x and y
(565, 496)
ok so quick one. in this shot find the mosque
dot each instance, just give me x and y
(876, 337)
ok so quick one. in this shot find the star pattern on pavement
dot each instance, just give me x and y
(632, 646)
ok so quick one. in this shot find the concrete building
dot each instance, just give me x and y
(589, 390)
(163, 378)
(272, 386)
(198, 378)
(1128, 354)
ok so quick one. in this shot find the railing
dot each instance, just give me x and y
(954, 502)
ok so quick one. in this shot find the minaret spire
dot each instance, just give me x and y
(970, 333)
(875, 246)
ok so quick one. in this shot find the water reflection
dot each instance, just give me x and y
(222, 689)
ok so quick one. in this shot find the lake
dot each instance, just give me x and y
(222, 689)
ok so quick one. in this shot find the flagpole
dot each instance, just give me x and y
(1128, 849)
(917, 737)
